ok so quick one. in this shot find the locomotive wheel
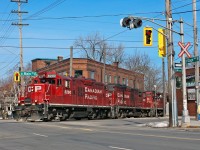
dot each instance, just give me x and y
(91, 117)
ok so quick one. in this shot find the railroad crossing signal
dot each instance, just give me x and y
(16, 76)
(148, 36)
(131, 22)
(184, 49)
(161, 43)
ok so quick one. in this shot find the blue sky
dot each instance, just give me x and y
(52, 24)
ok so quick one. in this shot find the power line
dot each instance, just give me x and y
(63, 39)
(184, 5)
(49, 7)
(178, 1)
(48, 47)
(186, 11)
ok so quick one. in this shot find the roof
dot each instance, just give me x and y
(44, 59)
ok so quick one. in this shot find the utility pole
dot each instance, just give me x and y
(71, 59)
(155, 100)
(164, 93)
(104, 62)
(185, 116)
(173, 119)
(20, 25)
(169, 57)
(196, 55)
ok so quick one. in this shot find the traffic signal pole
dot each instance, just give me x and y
(185, 116)
(197, 62)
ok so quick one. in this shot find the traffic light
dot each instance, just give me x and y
(148, 36)
(161, 43)
(131, 22)
(16, 76)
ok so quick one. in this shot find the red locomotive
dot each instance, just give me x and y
(51, 96)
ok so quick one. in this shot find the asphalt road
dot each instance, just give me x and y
(116, 134)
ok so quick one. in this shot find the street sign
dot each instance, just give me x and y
(192, 59)
(178, 65)
(178, 70)
(28, 73)
(184, 49)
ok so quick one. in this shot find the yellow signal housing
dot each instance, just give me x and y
(16, 76)
(148, 36)
(161, 43)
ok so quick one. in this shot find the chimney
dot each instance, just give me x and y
(115, 64)
(60, 58)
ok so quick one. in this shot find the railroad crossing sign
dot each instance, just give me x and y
(184, 49)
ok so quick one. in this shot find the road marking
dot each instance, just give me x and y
(125, 133)
(119, 148)
(64, 127)
(85, 129)
(152, 135)
(40, 135)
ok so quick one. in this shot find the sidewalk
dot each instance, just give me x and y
(194, 124)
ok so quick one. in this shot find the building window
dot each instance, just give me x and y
(126, 82)
(123, 81)
(92, 74)
(78, 73)
(131, 83)
(106, 78)
(115, 79)
(118, 80)
(109, 79)
(179, 82)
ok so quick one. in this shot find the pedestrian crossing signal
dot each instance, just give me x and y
(16, 76)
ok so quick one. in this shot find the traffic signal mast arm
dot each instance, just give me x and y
(136, 21)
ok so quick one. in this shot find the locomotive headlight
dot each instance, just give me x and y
(36, 101)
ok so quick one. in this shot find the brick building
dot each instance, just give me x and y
(91, 69)
(190, 89)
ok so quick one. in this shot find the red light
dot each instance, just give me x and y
(148, 32)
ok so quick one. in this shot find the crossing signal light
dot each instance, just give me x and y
(161, 43)
(131, 22)
(16, 76)
(148, 36)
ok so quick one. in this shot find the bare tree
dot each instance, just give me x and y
(115, 53)
(137, 62)
(141, 63)
(7, 84)
(95, 47)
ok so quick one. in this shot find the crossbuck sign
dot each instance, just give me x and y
(184, 49)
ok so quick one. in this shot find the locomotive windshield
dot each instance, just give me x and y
(50, 81)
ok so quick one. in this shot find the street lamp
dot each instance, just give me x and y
(155, 101)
